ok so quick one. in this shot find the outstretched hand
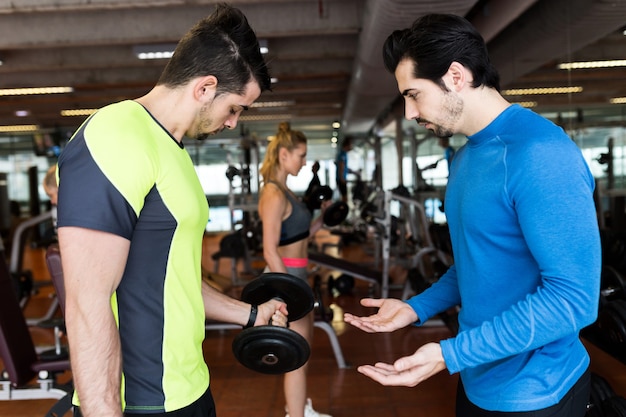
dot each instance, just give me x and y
(409, 370)
(392, 315)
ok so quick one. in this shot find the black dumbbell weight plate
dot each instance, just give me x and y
(295, 292)
(318, 194)
(336, 213)
(271, 349)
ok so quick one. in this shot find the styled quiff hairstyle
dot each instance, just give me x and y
(433, 42)
(224, 45)
(285, 138)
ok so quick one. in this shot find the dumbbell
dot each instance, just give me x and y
(273, 349)
(334, 214)
(319, 194)
(232, 172)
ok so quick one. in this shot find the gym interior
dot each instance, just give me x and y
(390, 239)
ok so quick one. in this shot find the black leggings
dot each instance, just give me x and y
(573, 404)
(202, 407)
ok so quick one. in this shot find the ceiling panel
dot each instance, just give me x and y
(325, 54)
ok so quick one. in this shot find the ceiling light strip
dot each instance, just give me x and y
(155, 55)
(268, 117)
(592, 64)
(34, 91)
(618, 100)
(19, 128)
(527, 104)
(286, 103)
(541, 91)
(78, 112)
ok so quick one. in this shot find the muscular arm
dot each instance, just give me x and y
(93, 264)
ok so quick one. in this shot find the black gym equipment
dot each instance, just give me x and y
(611, 324)
(342, 285)
(365, 273)
(322, 312)
(614, 407)
(315, 198)
(601, 391)
(612, 285)
(603, 400)
(232, 172)
(614, 249)
(271, 349)
(336, 213)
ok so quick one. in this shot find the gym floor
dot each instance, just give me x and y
(239, 392)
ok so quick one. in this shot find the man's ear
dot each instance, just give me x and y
(458, 76)
(205, 88)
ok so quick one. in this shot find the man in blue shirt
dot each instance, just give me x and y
(342, 167)
(523, 227)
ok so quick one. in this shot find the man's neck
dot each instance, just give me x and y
(167, 106)
(482, 107)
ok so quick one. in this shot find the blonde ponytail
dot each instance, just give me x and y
(285, 138)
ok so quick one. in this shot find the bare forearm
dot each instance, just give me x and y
(220, 307)
(96, 361)
(316, 225)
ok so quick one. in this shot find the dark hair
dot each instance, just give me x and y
(433, 42)
(224, 45)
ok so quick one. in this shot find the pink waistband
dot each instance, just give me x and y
(295, 262)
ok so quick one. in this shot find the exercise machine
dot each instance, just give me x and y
(21, 361)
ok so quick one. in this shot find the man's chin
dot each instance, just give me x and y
(203, 136)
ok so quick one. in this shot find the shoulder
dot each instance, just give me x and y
(119, 121)
(272, 193)
(272, 202)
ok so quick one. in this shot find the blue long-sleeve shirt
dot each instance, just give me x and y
(524, 231)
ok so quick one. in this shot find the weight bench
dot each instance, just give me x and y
(20, 359)
(357, 271)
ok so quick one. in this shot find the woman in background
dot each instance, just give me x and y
(286, 229)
